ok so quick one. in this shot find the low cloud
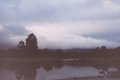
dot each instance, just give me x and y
(75, 42)
(53, 36)
(10, 33)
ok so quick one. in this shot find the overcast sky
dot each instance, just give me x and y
(61, 24)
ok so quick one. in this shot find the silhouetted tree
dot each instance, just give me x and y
(31, 42)
(97, 48)
(103, 47)
(21, 45)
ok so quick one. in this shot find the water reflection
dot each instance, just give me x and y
(6, 74)
(66, 72)
(52, 70)
(43, 74)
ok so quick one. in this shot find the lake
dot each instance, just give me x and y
(64, 72)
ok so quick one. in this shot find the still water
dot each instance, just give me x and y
(12, 69)
(61, 73)
(54, 74)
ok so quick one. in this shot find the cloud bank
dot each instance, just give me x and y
(61, 23)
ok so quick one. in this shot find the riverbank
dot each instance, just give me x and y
(98, 79)
(92, 78)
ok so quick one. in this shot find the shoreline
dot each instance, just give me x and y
(91, 78)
